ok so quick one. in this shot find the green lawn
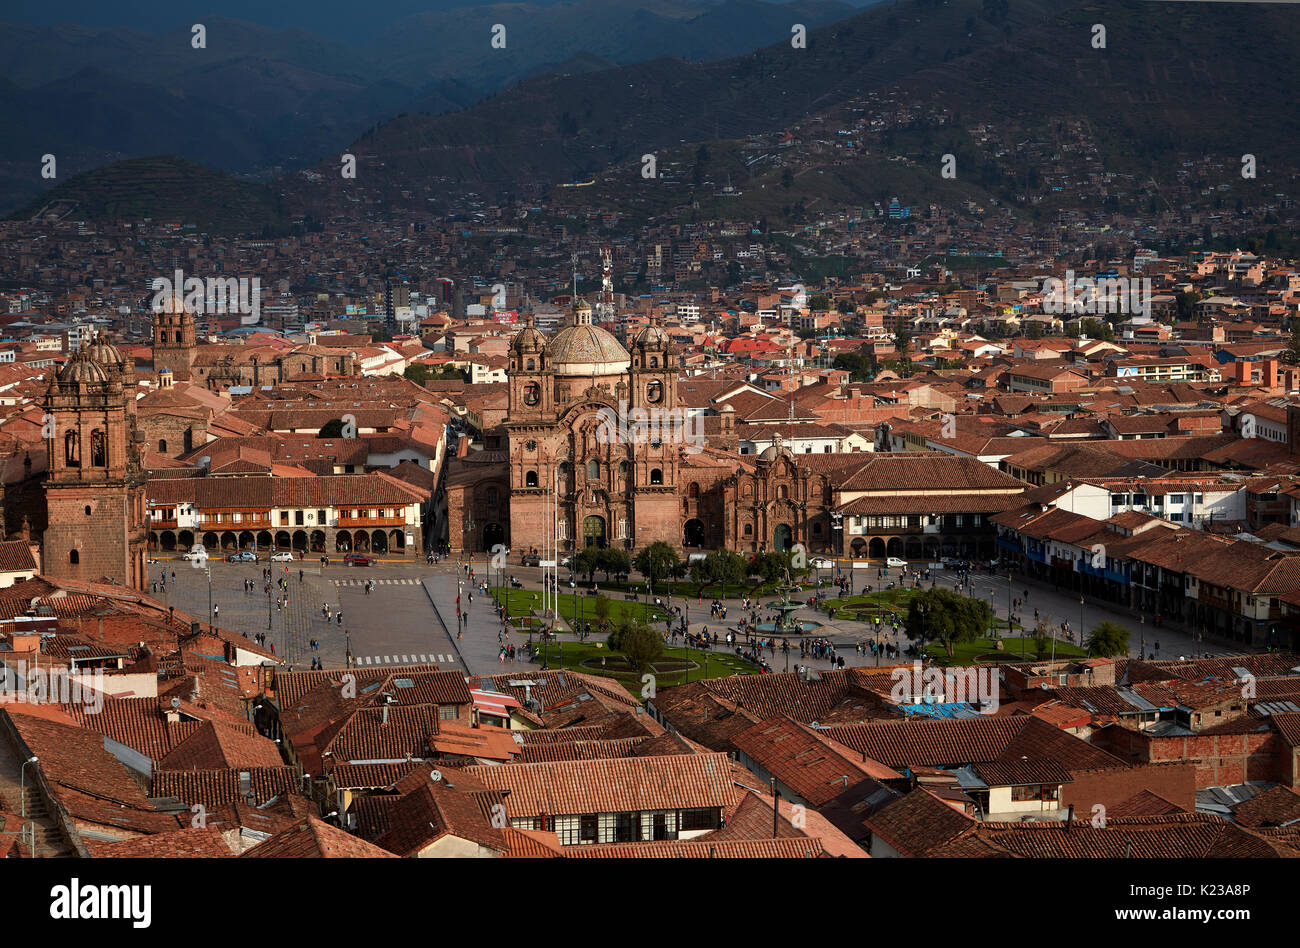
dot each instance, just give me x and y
(565, 652)
(985, 650)
(885, 601)
(523, 602)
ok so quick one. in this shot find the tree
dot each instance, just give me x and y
(1108, 640)
(656, 561)
(331, 429)
(610, 560)
(638, 643)
(721, 567)
(603, 608)
(821, 303)
(941, 615)
(586, 561)
(857, 365)
(417, 373)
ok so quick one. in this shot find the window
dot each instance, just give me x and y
(704, 819)
(320, 516)
(87, 510)
(587, 828)
(817, 529)
(1177, 498)
(625, 827)
(749, 529)
(622, 467)
(71, 450)
(530, 479)
(162, 445)
(654, 362)
(530, 365)
(284, 518)
(297, 518)
(693, 490)
(593, 469)
(1035, 792)
(74, 557)
(446, 712)
(98, 449)
(782, 492)
(1200, 499)
(490, 496)
(656, 476)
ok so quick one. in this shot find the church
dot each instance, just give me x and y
(83, 501)
(561, 475)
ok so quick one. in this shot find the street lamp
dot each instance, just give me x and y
(22, 785)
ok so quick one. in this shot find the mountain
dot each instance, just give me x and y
(167, 189)
(258, 100)
(1174, 79)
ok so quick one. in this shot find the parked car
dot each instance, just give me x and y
(359, 559)
(821, 562)
(199, 554)
(284, 557)
(530, 559)
(243, 556)
(894, 561)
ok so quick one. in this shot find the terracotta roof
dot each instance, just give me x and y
(188, 843)
(215, 746)
(215, 787)
(802, 847)
(806, 761)
(313, 838)
(682, 781)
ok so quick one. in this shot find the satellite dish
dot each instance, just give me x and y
(435, 775)
(176, 702)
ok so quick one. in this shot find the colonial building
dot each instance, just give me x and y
(568, 471)
(562, 475)
(362, 513)
(176, 350)
(83, 501)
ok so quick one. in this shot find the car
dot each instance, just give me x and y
(195, 555)
(821, 562)
(243, 556)
(359, 559)
(894, 561)
(530, 559)
(285, 557)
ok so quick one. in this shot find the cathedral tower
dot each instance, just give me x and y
(94, 492)
(174, 341)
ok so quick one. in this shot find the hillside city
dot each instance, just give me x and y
(950, 556)
(648, 429)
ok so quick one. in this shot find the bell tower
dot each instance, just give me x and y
(174, 341)
(94, 492)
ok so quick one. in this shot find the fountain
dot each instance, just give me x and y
(785, 623)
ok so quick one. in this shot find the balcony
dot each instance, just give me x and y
(352, 523)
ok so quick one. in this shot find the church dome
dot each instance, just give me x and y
(653, 337)
(105, 353)
(82, 368)
(528, 339)
(774, 451)
(587, 350)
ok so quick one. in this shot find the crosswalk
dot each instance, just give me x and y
(411, 659)
(377, 582)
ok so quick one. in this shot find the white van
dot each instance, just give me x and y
(894, 562)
